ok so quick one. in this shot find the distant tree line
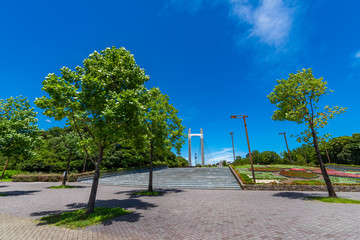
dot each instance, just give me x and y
(54, 151)
(340, 150)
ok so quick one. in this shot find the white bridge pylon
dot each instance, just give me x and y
(201, 135)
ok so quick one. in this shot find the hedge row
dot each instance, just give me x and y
(47, 177)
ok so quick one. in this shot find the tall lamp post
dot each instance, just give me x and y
(286, 145)
(247, 138)
(232, 139)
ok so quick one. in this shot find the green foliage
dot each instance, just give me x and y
(350, 153)
(241, 161)
(9, 173)
(78, 218)
(19, 132)
(335, 200)
(44, 177)
(296, 100)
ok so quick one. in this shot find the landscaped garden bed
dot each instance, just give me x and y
(295, 178)
(298, 174)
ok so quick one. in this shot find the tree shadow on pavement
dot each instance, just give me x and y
(124, 203)
(3, 185)
(297, 195)
(18, 193)
(164, 192)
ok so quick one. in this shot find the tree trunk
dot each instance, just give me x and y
(327, 180)
(150, 188)
(84, 167)
(3, 173)
(95, 183)
(327, 154)
(66, 172)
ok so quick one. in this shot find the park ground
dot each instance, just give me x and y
(179, 214)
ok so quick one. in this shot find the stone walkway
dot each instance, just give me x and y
(178, 214)
(183, 178)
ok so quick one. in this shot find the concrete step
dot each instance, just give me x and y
(197, 178)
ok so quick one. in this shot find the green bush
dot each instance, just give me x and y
(48, 177)
(9, 173)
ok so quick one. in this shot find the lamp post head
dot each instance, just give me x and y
(281, 133)
(233, 116)
(231, 133)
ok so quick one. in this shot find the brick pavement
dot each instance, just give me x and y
(179, 214)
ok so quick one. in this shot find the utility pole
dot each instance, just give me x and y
(287, 146)
(232, 138)
(247, 138)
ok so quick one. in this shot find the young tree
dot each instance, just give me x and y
(296, 99)
(67, 146)
(101, 98)
(163, 127)
(18, 130)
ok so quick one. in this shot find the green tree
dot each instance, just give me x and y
(67, 146)
(163, 127)
(270, 157)
(336, 146)
(101, 98)
(350, 154)
(296, 99)
(18, 129)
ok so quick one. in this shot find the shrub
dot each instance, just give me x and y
(48, 177)
(9, 173)
(299, 174)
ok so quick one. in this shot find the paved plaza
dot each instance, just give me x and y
(178, 214)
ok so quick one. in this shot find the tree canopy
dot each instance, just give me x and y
(101, 98)
(19, 132)
(296, 100)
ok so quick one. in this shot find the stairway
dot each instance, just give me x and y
(198, 178)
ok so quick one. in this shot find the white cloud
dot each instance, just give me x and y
(47, 120)
(270, 21)
(357, 55)
(224, 154)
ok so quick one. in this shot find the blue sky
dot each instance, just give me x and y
(214, 58)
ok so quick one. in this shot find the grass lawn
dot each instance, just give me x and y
(248, 166)
(5, 180)
(78, 219)
(147, 193)
(262, 175)
(62, 186)
(344, 180)
(335, 200)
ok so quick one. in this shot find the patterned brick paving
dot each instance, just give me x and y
(179, 214)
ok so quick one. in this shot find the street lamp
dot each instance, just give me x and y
(232, 138)
(247, 138)
(286, 145)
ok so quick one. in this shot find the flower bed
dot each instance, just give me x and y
(332, 172)
(266, 169)
(298, 174)
(298, 169)
(262, 175)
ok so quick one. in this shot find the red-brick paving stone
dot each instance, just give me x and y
(179, 214)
